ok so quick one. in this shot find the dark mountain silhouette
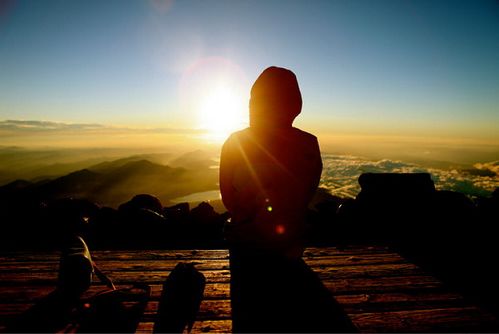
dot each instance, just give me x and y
(109, 165)
(114, 182)
(15, 186)
(75, 184)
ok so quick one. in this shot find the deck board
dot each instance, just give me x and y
(379, 290)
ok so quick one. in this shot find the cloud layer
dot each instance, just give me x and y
(341, 172)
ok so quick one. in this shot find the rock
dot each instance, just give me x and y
(142, 201)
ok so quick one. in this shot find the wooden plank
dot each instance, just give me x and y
(324, 272)
(358, 284)
(220, 308)
(382, 270)
(151, 277)
(381, 284)
(209, 326)
(42, 265)
(145, 327)
(348, 250)
(465, 319)
(358, 303)
(8, 310)
(23, 293)
(217, 291)
(120, 255)
(396, 301)
(29, 293)
(212, 326)
(124, 255)
(108, 266)
(208, 310)
(351, 260)
(336, 286)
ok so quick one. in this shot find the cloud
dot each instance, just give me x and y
(488, 166)
(21, 125)
(340, 175)
(42, 134)
(11, 127)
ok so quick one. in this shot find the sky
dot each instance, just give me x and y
(367, 69)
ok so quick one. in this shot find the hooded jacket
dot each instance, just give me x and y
(269, 171)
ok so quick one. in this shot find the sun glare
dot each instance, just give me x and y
(221, 112)
(214, 97)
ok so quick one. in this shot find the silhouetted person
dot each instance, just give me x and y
(270, 171)
(268, 174)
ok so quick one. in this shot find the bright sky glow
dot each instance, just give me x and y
(388, 67)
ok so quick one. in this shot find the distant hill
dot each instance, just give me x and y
(114, 182)
(193, 160)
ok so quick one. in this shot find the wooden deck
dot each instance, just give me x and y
(379, 290)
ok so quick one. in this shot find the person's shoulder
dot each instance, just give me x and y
(242, 133)
(236, 136)
(305, 135)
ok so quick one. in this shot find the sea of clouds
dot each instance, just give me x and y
(341, 172)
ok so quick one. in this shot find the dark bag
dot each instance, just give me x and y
(180, 300)
(75, 268)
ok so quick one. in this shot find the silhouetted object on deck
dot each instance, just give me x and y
(442, 231)
(75, 268)
(140, 216)
(323, 225)
(393, 205)
(180, 299)
(269, 172)
(142, 201)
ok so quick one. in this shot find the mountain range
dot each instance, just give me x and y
(113, 182)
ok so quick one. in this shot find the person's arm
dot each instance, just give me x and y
(318, 163)
(316, 169)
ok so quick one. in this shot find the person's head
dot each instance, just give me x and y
(275, 98)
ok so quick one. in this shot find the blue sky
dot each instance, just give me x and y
(365, 67)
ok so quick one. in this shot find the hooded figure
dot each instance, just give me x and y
(268, 175)
(270, 170)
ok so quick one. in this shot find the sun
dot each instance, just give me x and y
(213, 98)
(222, 111)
